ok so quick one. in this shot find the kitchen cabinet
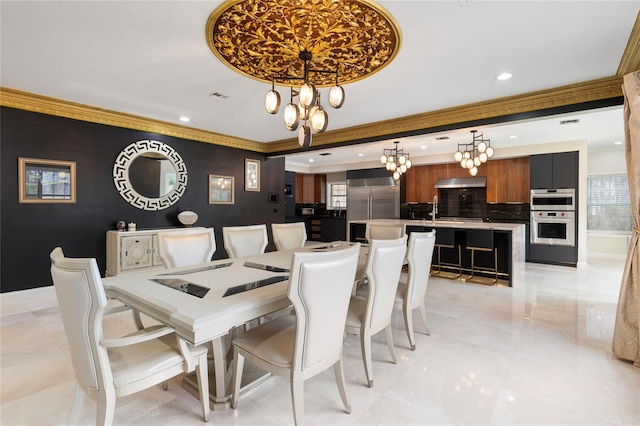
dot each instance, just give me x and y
(333, 229)
(508, 180)
(552, 171)
(420, 182)
(310, 188)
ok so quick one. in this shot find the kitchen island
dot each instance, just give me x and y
(509, 241)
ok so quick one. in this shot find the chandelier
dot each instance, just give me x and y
(472, 155)
(302, 44)
(396, 160)
(308, 107)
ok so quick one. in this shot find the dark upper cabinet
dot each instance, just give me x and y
(557, 170)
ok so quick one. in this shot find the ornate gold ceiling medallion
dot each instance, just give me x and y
(263, 39)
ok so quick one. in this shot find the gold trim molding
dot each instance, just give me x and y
(630, 61)
(45, 105)
(593, 90)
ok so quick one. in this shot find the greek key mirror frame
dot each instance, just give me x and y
(123, 183)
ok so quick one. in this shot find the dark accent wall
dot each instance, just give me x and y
(29, 232)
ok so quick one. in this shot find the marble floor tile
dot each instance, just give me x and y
(536, 355)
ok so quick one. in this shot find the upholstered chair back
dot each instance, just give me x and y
(289, 236)
(186, 247)
(241, 241)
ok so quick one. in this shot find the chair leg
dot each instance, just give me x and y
(297, 398)
(423, 315)
(165, 385)
(238, 365)
(408, 325)
(203, 381)
(392, 350)
(137, 319)
(338, 369)
(76, 405)
(365, 342)
(495, 264)
(473, 252)
(106, 407)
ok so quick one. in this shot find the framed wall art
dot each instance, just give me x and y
(251, 175)
(46, 181)
(221, 189)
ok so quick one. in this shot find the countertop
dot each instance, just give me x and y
(462, 224)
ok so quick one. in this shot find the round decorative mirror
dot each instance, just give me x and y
(150, 175)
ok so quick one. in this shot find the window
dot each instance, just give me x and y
(608, 203)
(339, 196)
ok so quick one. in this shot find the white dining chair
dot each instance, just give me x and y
(107, 368)
(412, 287)
(186, 247)
(289, 236)
(376, 231)
(369, 315)
(241, 241)
(303, 345)
(383, 231)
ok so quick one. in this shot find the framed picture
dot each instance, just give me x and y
(251, 175)
(46, 181)
(220, 189)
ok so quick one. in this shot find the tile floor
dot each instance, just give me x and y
(538, 355)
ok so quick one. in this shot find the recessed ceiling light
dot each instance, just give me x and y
(617, 143)
(311, 160)
(504, 76)
(423, 147)
(184, 118)
(360, 154)
(513, 137)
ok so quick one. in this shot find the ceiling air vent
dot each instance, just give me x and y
(219, 95)
(442, 138)
(325, 154)
(574, 121)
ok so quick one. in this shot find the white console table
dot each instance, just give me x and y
(133, 251)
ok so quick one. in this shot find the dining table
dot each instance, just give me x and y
(207, 301)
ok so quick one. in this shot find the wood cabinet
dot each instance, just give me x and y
(310, 188)
(133, 251)
(507, 180)
(420, 182)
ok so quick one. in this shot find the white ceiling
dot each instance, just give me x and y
(151, 59)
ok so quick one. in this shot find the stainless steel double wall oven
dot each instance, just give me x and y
(553, 217)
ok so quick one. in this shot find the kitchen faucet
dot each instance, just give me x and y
(434, 211)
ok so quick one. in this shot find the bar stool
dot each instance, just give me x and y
(482, 240)
(445, 238)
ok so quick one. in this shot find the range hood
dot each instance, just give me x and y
(470, 182)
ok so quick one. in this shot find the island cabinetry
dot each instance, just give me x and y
(133, 251)
(508, 240)
(333, 229)
(553, 171)
(310, 188)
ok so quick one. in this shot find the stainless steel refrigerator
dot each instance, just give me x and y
(373, 198)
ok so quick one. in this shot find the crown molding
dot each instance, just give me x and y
(593, 90)
(630, 61)
(45, 105)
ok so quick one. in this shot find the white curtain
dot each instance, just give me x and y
(626, 334)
